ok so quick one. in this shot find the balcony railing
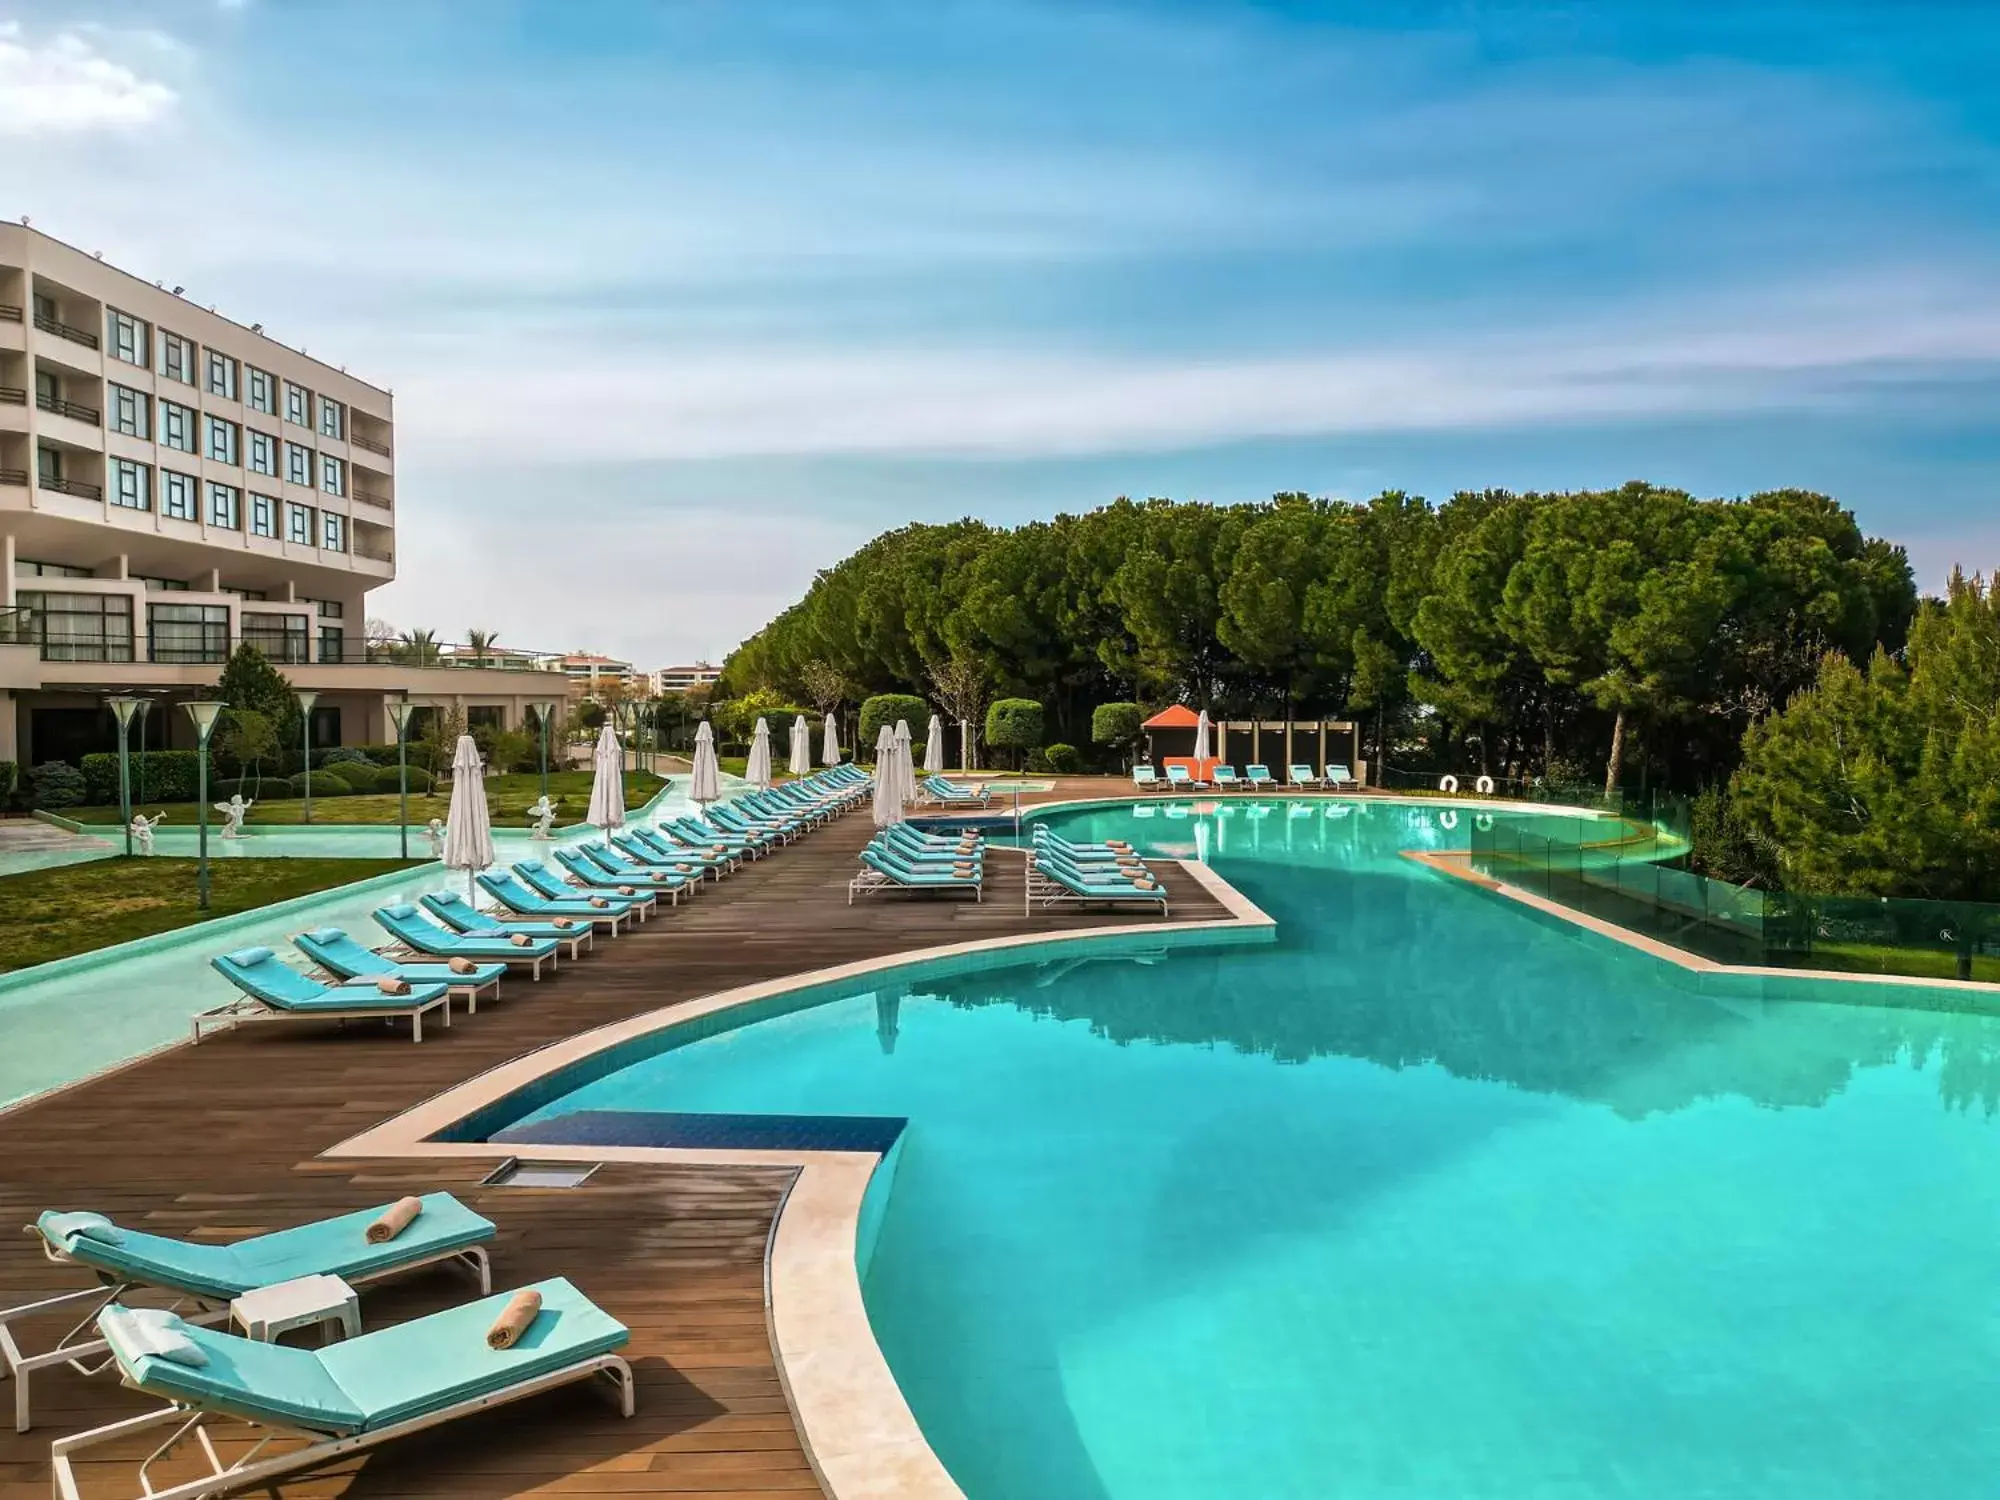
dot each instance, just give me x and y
(68, 409)
(370, 497)
(74, 487)
(188, 645)
(13, 395)
(18, 626)
(370, 444)
(65, 331)
(9, 313)
(14, 476)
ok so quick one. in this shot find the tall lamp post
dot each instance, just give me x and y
(204, 713)
(399, 715)
(545, 710)
(123, 709)
(627, 715)
(306, 702)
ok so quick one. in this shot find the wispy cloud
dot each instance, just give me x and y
(75, 81)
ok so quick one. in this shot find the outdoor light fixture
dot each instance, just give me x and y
(400, 711)
(204, 712)
(123, 709)
(306, 702)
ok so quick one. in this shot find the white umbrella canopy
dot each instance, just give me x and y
(802, 747)
(607, 785)
(1201, 736)
(829, 745)
(468, 829)
(706, 783)
(758, 771)
(888, 780)
(934, 747)
(906, 763)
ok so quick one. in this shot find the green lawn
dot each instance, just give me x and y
(509, 797)
(47, 914)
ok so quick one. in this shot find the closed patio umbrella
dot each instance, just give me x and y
(607, 784)
(906, 763)
(801, 763)
(934, 747)
(468, 830)
(706, 783)
(1201, 738)
(888, 789)
(758, 771)
(829, 745)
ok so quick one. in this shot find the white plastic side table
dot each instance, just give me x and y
(273, 1310)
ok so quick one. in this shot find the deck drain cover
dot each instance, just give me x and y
(514, 1172)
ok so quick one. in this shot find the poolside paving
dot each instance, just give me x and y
(222, 1140)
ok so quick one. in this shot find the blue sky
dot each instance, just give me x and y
(747, 283)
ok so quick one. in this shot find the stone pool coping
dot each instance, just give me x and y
(857, 1429)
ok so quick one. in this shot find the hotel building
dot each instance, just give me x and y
(172, 484)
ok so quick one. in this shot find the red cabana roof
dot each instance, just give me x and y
(1180, 716)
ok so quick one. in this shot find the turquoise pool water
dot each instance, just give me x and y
(1430, 1198)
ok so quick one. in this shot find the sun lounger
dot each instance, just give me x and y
(1179, 778)
(461, 916)
(940, 789)
(592, 866)
(1257, 776)
(1303, 776)
(1054, 882)
(644, 847)
(1340, 778)
(208, 1276)
(407, 925)
(734, 820)
(697, 834)
(540, 879)
(507, 890)
(1226, 779)
(344, 1398)
(273, 991)
(345, 958)
(884, 870)
(1146, 778)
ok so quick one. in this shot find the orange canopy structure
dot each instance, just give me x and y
(1180, 716)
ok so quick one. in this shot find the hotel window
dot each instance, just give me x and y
(128, 337)
(156, 585)
(221, 376)
(131, 412)
(281, 638)
(187, 632)
(177, 496)
(256, 596)
(299, 524)
(263, 453)
(25, 569)
(131, 484)
(263, 515)
(225, 506)
(332, 419)
(298, 465)
(176, 357)
(177, 426)
(263, 391)
(332, 531)
(298, 405)
(81, 627)
(332, 475)
(332, 643)
(330, 609)
(223, 442)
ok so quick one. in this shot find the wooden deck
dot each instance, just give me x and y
(220, 1141)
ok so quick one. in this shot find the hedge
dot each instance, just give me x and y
(166, 775)
(887, 708)
(8, 772)
(58, 784)
(325, 784)
(1014, 724)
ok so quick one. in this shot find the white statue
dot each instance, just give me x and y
(142, 830)
(434, 831)
(235, 810)
(543, 813)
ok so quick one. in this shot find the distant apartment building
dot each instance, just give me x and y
(680, 679)
(589, 673)
(172, 484)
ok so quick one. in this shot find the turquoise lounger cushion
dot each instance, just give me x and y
(392, 1374)
(246, 1378)
(61, 1228)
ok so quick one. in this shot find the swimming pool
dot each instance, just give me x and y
(1429, 1197)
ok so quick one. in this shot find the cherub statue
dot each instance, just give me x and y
(142, 830)
(434, 831)
(235, 810)
(543, 814)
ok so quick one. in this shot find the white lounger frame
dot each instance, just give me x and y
(1046, 892)
(871, 882)
(406, 952)
(248, 1470)
(610, 920)
(74, 1350)
(249, 1010)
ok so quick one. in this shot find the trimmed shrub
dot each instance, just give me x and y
(1064, 760)
(58, 784)
(325, 784)
(233, 786)
(1014, 724)
(887, 708)
(9, 772)
(341, 755)
(420, 780)
(166, 775)
(1116, 724)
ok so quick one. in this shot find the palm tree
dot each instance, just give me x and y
(420, 647)
(479, 642)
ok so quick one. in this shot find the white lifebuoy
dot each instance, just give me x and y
(1447, 783)
(1484, 786)
(1448, 818)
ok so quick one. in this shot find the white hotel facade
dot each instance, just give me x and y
(173, 483)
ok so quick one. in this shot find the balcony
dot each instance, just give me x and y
(62, 408)
(74, 487)
(18, 626)
(13, 395)
(66, 331)
(9, 313)
(371, 497)
(370, 444)
(14, 476)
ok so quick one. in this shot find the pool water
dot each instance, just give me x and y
(1431, 1197)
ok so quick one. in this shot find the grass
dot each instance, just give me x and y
(509, 797)
(49, 914)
